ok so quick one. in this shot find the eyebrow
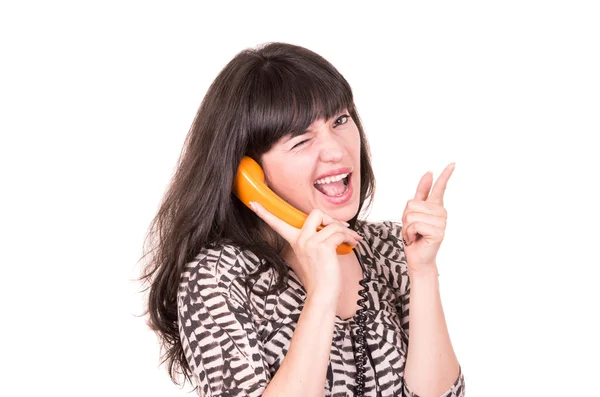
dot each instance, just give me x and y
(291, 136)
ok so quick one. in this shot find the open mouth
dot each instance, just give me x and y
(335, 186)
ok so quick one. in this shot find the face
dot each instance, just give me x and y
(307, 170)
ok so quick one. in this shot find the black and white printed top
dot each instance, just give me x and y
(235, 341)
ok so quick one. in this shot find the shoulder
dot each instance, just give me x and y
(219, 269)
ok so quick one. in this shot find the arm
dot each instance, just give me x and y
(431, 365)
(221, 342)
(304, 368)
(432, 368)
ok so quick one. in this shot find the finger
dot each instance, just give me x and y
(429, 232)
(407, 238)
(439, 188)
(328, 219)
(320, 219)
(404, 234)
(284, 229)
(434, 220)
(424, 186)
(338, 238)
(425, 207)
(317, 218)
(335, 228)
(314, 219)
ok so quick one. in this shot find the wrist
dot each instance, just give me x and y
(327, 301)
(423, 272)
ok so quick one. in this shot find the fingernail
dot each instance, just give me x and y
(253, 206)
(346, 223)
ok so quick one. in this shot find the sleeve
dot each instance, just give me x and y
(219, 338)
(402, 306)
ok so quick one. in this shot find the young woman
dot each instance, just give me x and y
(247, 305)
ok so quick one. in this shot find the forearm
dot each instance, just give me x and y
(304, 368)
(431, 364)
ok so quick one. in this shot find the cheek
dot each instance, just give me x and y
(283, 180)
(292, 186)
(357, 141)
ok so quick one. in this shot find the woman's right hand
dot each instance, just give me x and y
(317, 265)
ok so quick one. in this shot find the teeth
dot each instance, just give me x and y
(330, 179)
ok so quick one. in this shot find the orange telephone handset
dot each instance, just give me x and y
(249, 185)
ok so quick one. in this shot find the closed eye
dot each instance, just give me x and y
(343, 116)
(300, 143)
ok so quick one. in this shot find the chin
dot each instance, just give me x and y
(348, 213)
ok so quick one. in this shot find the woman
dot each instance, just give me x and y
(247, 305)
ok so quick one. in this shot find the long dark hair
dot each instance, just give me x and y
(261, 95)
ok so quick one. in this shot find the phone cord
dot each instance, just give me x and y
(361, 357)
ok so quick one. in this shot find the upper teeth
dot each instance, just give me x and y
(330, 179)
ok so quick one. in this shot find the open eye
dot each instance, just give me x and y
(343, 116)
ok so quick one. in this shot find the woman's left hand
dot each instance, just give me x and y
(424, 222)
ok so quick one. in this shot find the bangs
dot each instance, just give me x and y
(284, 101)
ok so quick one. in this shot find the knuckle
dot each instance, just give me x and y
(316, 212)
(339, 226)
(321, 245)
(301, 241)
(335, 227)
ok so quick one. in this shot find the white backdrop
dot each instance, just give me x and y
(96, 100)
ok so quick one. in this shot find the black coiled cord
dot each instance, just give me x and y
(360, 356)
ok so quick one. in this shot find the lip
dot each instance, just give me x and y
(340, 199)
(337, 171)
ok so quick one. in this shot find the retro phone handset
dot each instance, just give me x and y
(249, 185)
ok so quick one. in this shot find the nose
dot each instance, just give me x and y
(331, 147)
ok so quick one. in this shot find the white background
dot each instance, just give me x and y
(97, 98)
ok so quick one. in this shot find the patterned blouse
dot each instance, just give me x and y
(234, 341)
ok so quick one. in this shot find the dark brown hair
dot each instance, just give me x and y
(261, 95)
